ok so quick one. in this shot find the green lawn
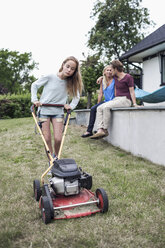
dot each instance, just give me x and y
(135, 187)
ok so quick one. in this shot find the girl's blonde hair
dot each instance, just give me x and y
(104, 77)
(74, 83)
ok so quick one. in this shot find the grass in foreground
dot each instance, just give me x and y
(135, 187)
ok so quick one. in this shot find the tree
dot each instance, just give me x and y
(15, 69)
(120, 25)
(91, 69)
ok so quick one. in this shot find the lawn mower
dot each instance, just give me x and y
(68, 191)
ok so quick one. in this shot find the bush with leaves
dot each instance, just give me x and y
(15, 106)
(18, 106)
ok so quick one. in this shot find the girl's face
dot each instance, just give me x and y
(69, 68)
(108, 72)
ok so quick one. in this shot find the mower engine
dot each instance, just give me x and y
(63, 186)
(68, 179)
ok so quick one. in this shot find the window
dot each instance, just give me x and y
(162, 70)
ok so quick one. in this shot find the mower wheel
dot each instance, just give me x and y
(37, 189)
(103, 200)
(45, 210)
(46, 192)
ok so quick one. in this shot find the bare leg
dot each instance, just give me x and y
(57, 130)
(47, 134)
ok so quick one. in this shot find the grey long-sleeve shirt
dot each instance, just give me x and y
(54, 92)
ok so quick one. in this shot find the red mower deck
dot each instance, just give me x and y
(75, 206)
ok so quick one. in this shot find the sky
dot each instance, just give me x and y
(54, 29)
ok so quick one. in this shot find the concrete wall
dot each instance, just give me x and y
(140, 131)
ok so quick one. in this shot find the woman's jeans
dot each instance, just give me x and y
(92, 117)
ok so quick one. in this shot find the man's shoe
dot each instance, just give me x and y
(106, 133)
(98, 135)
(86, 135)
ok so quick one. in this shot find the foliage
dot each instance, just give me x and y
(83, 101)
(15, 69)
(15, 106)
(91, 69)
(18, 106)
(119, 26)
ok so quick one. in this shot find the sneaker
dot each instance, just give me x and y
(49, 173)
(99, 135)
(54, 156)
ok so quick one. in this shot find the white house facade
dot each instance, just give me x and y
(151, 74)
(150, 54)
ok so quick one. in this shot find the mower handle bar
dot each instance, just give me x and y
(66, 122)
(50, 105)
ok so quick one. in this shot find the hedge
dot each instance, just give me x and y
(15, 106)
(18, 106)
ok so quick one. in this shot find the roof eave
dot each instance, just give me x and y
(139, 55)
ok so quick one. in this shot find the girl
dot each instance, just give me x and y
(55, 91)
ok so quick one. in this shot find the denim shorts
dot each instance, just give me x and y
(44, 118)
(51, 116)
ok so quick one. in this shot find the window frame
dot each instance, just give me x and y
(162, 70)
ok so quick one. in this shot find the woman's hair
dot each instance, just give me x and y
(116, 64)
(74, 82)
(104, 77)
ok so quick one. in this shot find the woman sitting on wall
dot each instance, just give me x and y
(107, 89)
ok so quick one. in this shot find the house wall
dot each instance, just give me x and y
(151, 75)
(136, 130)
(152, 78)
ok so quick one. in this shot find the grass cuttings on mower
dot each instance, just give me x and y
(68, 191)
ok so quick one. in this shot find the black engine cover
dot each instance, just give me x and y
(66, 168)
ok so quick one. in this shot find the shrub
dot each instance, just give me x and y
(18, 106)
(15, 106)
(83, 101)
